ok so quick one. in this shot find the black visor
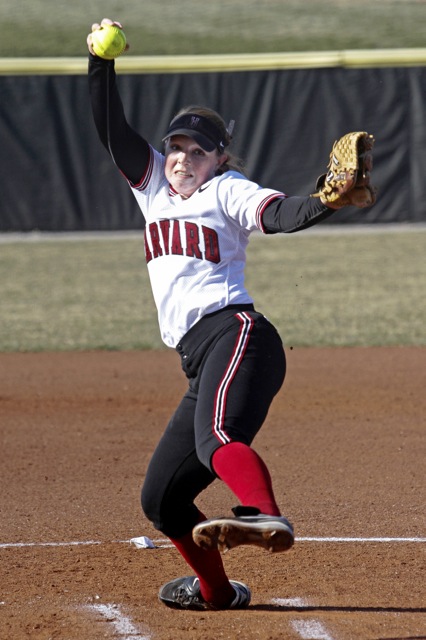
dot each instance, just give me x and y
(201, 129)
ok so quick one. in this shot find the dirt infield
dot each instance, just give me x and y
(345, 442)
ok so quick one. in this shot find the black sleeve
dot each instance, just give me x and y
(288, 215)
(130, 152)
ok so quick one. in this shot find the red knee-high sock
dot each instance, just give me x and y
(245, 473)
(208, 566)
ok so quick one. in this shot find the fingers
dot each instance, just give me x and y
(89, 44)
(96, 25)
(106, 21)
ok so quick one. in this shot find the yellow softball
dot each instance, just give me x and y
(108, 42)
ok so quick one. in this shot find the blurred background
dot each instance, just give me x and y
(158, 27)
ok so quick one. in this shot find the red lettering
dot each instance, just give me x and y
(176, 242)
(163, 240)
(192, 240)
(155, 240)
(165, 229)
(148, 254)
(211, 243)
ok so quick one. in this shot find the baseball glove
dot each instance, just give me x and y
(347, 181)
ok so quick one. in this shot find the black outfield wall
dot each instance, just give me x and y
(55, 175)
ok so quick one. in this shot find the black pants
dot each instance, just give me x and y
(235, 364)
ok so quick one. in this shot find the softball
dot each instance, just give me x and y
(108, 42)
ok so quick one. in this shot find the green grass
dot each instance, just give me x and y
(75, 295)
(331, 289)
(342, 290)
(42, 28)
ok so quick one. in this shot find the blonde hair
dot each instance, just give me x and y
(233, 163)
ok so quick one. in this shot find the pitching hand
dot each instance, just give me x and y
(96, 26)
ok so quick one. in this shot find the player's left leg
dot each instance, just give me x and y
(237, 384)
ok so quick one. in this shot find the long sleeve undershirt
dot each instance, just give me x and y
(130, 152)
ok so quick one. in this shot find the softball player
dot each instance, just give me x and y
(199, 211)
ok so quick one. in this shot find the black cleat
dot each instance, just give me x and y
(184, 593)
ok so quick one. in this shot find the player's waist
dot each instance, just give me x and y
(208, 326)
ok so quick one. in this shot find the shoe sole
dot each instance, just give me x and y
(225, 534)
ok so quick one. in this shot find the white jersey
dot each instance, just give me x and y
(195, 248)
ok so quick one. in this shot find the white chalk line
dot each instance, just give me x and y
(307, 629)
(126, 630)
(311, 630)
(355, 539)
(77, 543)
(163, 543)
(291, 603)
(9, 545)
(123, 625)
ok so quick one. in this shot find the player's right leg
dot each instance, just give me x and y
(174, 478)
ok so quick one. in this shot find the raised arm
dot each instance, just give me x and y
(129, 150)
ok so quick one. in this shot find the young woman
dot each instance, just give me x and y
(199, 211)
